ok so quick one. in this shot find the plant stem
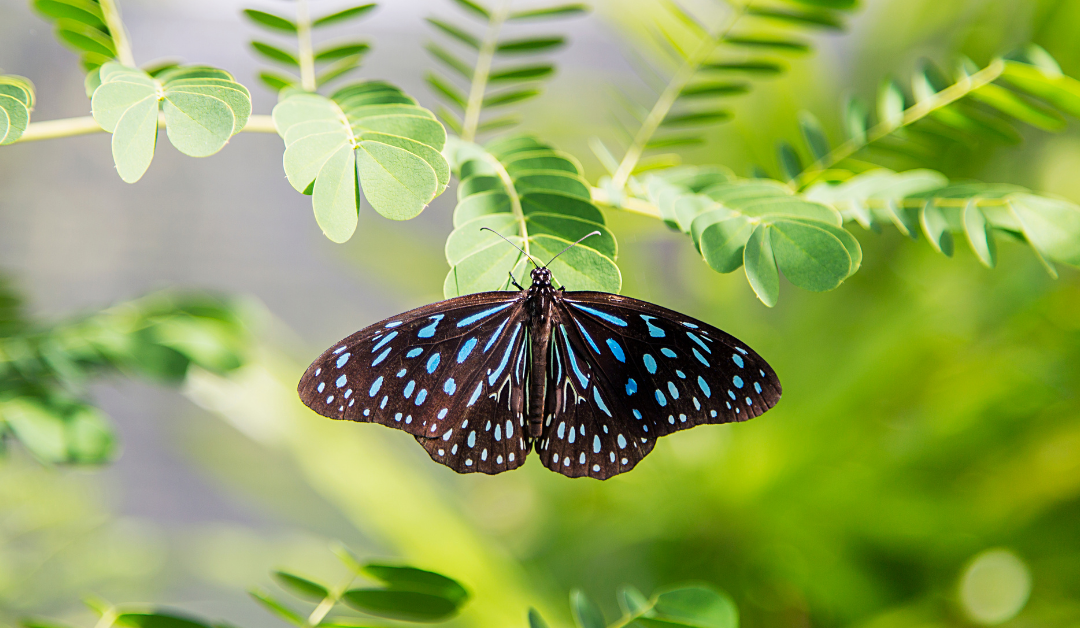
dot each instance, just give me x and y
(119, 35)
(912, 114)
(600, 196)
(303, 39)
(71, 127)
(670, 94)
(481, 72)
(328, 602)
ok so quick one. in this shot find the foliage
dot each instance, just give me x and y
(536, 197)
(202, 107)
(45, 369)
(84, 27)
(337, 59)
(16, 103)
(512, 83)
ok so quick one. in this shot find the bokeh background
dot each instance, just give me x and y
(929, 430)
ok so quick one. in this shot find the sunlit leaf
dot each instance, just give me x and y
(301, 587)
(456, 32)
(562, 10)
(274, 53)
(586, 613)
(761, 266)
(530, 45)
(343, 15)
(270, 20)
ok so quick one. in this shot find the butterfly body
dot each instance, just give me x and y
(589, 380)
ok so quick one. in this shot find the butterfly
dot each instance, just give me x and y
(589, 380)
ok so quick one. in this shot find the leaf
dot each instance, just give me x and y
(693, 607)
(1011, 103)
(535, 620)
(586, 613)
(790, 164)
(278, 608)
(39, 429)
(745, 67)
(417, 580)
(530, 45)
(84, 11)
(157, 620)
(270, 20)
(451, 93)
(198, 125)
(85, 38)
(401, 605)
(507, 97)
(761, 266)
(890, 104)
(1051, 225)
(16, 101)
(697, 118)
(339, 51)
(469, 5)
(978, 234)
(522, 73)
(936, 228)
(457, 33)
(809, 256)
(334, 197)
(275, 54)
(814, 135)
(562, 10)
(134, 139)
(856, 117)
(451, 61)
(1063, 92)
(90, 438)
(631, 601)
(337, 69)
(713, 88)
(346, 14)
(301, 587)
(276, 81)
(768, 43)
(823, 19)
(722, 243)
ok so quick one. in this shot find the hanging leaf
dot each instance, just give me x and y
(344, 15)
(269, 20)
(16, 103)
(586, 613)
(693, 607)
(761, 266)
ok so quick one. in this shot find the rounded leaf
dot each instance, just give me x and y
(696, 607)
(418, 580)
(401, 605)
(334, 198)
(135, 138)
(396, 182)
(198, 125)
(978, 234)
(722, 243)
(586, 613)
(761, 266)
(809, 256)
(301, 587)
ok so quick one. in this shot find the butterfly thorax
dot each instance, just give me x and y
(539, 301)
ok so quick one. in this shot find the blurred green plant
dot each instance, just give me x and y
(46, 369)
(16, 103)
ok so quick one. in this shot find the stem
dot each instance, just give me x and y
(71, 127)
(119, 35)
(303, 40)
(600, 196)
(328, 602)
(482, 71)
(913, 114)
(663, 105)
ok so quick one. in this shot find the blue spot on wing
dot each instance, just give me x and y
(650, 363)
(616, 350)
(654, 331)
(414, 352)
(668, 352)
(433, 363)
(586, 335)
(375, 387)
(466, 349)
(481, 315)
(382, 356)
(450, 387)
(614, 320)
(573, 360)
(495, 336)
(737, 360)
(699, 341)
(429, 331)
(506, 357)
(385, 340)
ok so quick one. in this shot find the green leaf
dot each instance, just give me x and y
(544, 160)
(275, 54)
(809, 256)
(745, 67)
(1051, 225)
(778, 44)
(337, 69)
(85, 38)
(830, 4)
(84, 11)
(1015, 105)
(890, 104)
(270, 20)
(451, 93)
(586, 613)
(856, 118)
(396, 182)
(697, 118)
(978, 234)
(562, 10)
(276, 81)
(301, 587)
(474, 7)
(530, 45)
(90, 437)
(1063, 92)
(511, 96)
(722, 243)
(823, 19)
(535, 620)
(334, 197)
(631, 601)
(157, 620)
(135, 137)
(344, 15)
(451, 61)
(761, 266)
(498, 123)
(936, 228)
(713, 88)
(814, 135)
(198, 125)
(338, 51)
(37, 427)
(456, 32)
(278, 608)
(418, 580)
(14, 115)
(522, 73)
(693, 607)
(790, 164)
(401, 605)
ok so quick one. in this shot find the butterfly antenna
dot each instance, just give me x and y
(515, 246)
(587, 235)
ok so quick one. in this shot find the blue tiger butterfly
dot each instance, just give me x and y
(463, 377)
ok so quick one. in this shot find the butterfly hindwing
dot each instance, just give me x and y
(641, 372)
(420, 371)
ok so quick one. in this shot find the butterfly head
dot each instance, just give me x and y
(541, 276)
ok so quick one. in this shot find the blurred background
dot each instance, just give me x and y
(922, 469)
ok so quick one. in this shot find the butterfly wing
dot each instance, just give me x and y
(624, 372)
(439, 372)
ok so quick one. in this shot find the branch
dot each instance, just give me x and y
(482, 71)
(71, 127)
(305, 54)
(111, 12)
(667, 98)
(600, 196)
